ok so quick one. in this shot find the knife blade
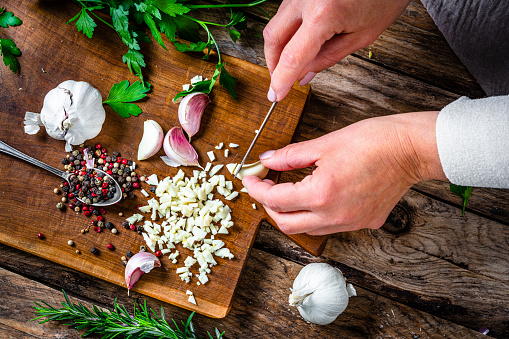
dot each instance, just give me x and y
(238, 168)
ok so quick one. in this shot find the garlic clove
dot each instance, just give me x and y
(190, 111)
(142, 262)
(256, 169)
(151, 141)
(179, 152)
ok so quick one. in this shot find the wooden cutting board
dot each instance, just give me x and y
(54, 52)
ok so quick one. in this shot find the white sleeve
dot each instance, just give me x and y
(473, 141)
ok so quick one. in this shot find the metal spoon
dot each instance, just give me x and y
(14, 152)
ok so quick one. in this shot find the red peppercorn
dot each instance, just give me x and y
(75, 200)
(83, 162)
(102, 210)
(119, 159)
(124, 161)
(103, 156)
(110, 247)
(105, 191)
(83, 172)
(85, 208)
(132, 227)
(40, 236)
(66, 183)
(99, 218)
(71, 206)
(86, 213)
(78, 187)
(136, 185)
(91, 175)
(109, 172)
(98, 146)
(94, 222)
(158, 253)
(71, 195)
(122, 189)
(97, 229)
(103, 150)
(93, 194)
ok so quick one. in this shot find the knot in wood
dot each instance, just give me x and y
(398, 220)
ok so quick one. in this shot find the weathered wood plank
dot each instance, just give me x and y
(260, 307)
(449, 265)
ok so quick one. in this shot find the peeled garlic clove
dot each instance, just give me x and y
(257, 169)
(179, 152)
(142, 262)
(191, 110)
(151, 141)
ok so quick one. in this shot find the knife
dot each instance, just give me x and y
(238, 168)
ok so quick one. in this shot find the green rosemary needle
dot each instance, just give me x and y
(144, 323)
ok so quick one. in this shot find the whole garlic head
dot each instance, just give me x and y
(320, 293)
(72, 111)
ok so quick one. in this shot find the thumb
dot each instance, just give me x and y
(299, 155)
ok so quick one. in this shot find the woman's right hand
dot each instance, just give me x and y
(307, 36)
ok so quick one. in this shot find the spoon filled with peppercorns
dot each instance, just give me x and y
(90, 185)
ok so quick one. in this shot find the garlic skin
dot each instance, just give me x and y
(142, 262)
(320, 293)
(72, 111)
(190, 111)
(179, 152)
(152, 140)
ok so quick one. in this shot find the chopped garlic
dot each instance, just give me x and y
(207, 167)
(211, 156)
(144, 192)
(232, 145)
(215, 169)
(219, 146)
(192, 300)
(189, 292)
(186, 87)
(232, 195)
(231, 167)
(254, 206)
(196, 79)
(152, 180)
(244, 190)
(226, 152)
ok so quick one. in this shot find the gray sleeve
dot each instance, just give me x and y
(478, 32)
(473, 141)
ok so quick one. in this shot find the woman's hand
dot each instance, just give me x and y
(307, 36)
(361, 172)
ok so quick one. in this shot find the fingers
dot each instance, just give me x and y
(284, 197)
(296, 55)
(333, 51)
(294, 156)
(278, 32)
(296, 222)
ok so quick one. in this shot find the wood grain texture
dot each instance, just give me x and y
(63, 54)
(260, 307)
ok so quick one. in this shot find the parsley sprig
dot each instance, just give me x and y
(464, 192)
(122, 95)
(168, 17)
(8, 49)
(117, 322)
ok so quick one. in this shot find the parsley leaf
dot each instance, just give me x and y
(135, 62)
(9, 52)
(187, 29)
(235, 35)
(192, 47)
(170, 7)
(462, 191)
(121, 95)
(228, 81)
(84, 23)
(8, 19)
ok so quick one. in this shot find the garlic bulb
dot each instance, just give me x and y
(72, 111)
(320, 293)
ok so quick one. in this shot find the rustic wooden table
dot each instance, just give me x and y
(430, 272)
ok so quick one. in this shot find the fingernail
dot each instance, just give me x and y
(270, 73)
(266, 155)
(307, 78)
(271, 95)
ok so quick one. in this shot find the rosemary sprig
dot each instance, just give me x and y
(144, 323)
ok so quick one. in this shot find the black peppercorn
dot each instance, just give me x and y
(139, 228)
(114, 158)
(65, 161)
(115, 153)
(65, 189)
(71, 159)
(96, 212)
(152, 189)
(108, 159)
(129, 254)
(109, 225)
(125, 224)
(94, 250)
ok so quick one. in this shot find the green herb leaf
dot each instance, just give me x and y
(170, 7)
(153, 28)
(9, 52)
(167, 26)
(237, 20)
(462, 191)
(8, 19)
(187, 29)
(121, 95)
(228, 81)
(84, 23)
(135, 62)
(192, 47)
(235, 35)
